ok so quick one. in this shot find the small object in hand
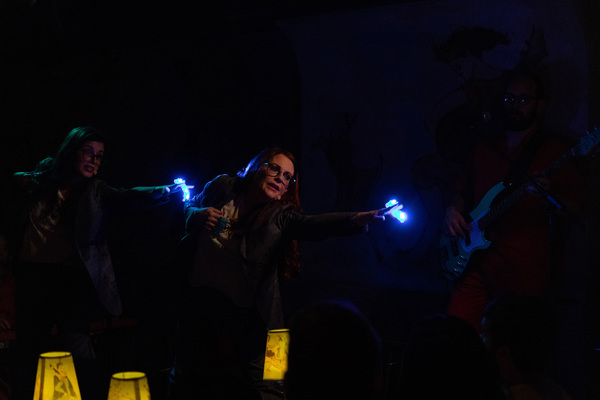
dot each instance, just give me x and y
(221, 225)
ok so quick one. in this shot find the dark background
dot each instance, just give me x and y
(195, 89)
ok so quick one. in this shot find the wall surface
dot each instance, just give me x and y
(356, 89)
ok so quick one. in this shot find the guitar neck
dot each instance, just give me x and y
(506, 203)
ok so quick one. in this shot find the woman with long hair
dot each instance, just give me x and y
(64, 272)
(244, 230)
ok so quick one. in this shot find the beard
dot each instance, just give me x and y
(517, 121)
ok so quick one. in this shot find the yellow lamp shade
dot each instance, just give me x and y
(276, 354)
(56, 377)
(129, 386)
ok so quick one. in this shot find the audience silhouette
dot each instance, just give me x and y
(520, 334)
(445, 359)
(334, 353)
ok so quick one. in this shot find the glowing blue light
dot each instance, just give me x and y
(400, 215)
(184, 188)
(392, 202)
(397, 212)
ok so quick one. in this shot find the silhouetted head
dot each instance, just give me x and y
(334, 353)
(526, 327)
(445, 358)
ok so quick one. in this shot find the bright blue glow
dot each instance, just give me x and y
(184, 188)
(390, 203)
(400, 215)
(397, 212)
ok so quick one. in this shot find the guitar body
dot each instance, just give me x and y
(455, 252)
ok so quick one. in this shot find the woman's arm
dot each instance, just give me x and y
(363, 219)
(119, 199)
(321, 226)
(202, 211)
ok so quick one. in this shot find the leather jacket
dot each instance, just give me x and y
(265, 238)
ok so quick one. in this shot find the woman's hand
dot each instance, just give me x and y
(163, 192)
(206, 218)
(363, 219)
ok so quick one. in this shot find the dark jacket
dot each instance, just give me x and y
(96, 202)
(266, 237)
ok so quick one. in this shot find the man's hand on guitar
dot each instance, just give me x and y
(455, 223)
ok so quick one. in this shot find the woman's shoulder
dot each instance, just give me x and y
(223, 179)
(216, 190)
(223, 183)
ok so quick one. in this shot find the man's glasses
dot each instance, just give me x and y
(510, 98)
(89, 155)
(274, 170)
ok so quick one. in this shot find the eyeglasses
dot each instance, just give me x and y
(89, 155)
(274, 170)
(525, 99)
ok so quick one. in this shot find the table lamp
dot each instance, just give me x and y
(276, 354)
(129, 386)
(56, 377)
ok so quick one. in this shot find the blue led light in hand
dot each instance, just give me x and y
(400, 215)
(184, 188)
(391, 203)
(396, 210)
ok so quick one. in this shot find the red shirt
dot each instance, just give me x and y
(518, 259)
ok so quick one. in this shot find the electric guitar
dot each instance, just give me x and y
(455, 252)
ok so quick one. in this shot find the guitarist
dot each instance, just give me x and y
(518, 259)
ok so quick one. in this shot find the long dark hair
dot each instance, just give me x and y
(250, 175)
(52, 172)
(61, 165)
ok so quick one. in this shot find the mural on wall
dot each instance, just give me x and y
(383, 90)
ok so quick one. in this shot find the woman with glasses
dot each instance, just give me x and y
(58, 234)
(243, 230)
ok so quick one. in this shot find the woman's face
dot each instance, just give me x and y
(273, 187)
(88, 158)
